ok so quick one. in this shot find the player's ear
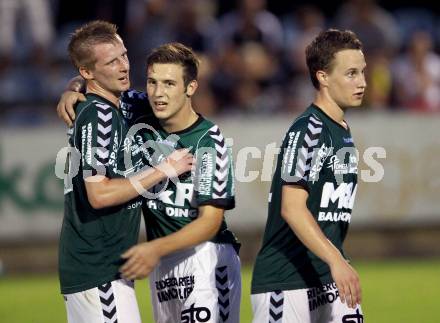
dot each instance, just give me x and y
(86, 73)
(322, 77)
(191, 88)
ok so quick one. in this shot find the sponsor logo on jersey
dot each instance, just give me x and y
(334, 216)
(339, 168)
(134, 205)
(134, 145)
(125, 108)
(343, 194)
(289, 155)
(318, 162)
(86, 143)
(195, 314)
(342, 197)
(205, 174)
(348, 140)
(176, 203)
(184, 192)
(112, 159)
(127, 144)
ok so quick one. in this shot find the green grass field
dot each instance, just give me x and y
(398, 291)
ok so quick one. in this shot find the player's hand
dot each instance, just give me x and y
(347, 281)
(141, 260)
(177, 163)
(65, 106)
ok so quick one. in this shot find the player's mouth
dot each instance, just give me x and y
(124, 79)
(359, 95)
(160, 105)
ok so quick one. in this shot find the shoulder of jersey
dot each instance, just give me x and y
(89, 106)
(306, 120)
(208, 129)
(94, 108)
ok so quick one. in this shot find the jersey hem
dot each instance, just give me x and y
(287, 286)
(86, 286)
(301, 183)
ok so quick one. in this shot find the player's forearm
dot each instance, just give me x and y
(111, 192)
(308, 231)
(203, 229)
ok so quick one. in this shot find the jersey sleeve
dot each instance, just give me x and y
(135, 107)
(300, 149)
(93, 138)
(214, 180)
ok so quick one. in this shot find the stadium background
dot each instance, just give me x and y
(253, 83)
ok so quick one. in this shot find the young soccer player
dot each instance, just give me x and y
(102, 207)
(301, 273)
(191, 257)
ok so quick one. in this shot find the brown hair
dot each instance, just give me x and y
(321, 51)
(88, 35)
(176, 53)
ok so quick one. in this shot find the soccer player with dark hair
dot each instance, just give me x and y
(189, 244)
(102, 205)
(301, 273)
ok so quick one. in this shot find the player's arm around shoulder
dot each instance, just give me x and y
(73, 94)
(94, 138)
(142, 258)
(105, 192)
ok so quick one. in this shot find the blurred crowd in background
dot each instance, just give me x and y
(252, 51)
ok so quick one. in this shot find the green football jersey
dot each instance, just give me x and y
(173, 204)
(317, 154)
(92, 240)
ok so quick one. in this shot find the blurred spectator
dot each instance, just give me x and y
(379, 33)
(379, 80)
(412, 19)
(31, 43)
(81, 11)
(301, 26)
(250, 61)
(26, 34)
(194, 24)
(375, 27)
(251, 22)
(225, 79)
(248, 47)
(416, 75)
(148, 26)
(114, 11)
(204, 100)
